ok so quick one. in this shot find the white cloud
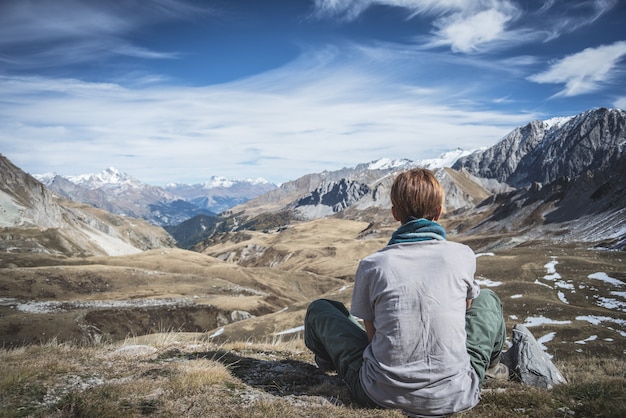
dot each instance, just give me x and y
(306, 117)
(620, 103)
(352, 9)
(470, 26)
(464, 25)
(467, 34)
(585, 71)
(56, 33)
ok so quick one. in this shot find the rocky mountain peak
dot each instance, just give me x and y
(330, 197)
(541, 152)
(108, 178)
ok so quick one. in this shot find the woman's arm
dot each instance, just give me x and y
(369, 328)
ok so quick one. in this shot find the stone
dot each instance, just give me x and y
(528, 362)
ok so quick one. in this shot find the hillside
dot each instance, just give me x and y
(35, 220)
(100, 316)
(173, 332)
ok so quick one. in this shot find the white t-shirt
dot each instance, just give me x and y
(415, 294)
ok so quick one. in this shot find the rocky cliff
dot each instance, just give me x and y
(34, 219)
(542, 152)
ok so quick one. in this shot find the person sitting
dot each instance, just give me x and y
(430, 333)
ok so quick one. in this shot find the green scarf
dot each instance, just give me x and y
(417, 230)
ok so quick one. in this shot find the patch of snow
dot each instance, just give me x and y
(605, 278)
(110, 176)
(516, 296)
(551, 270)
(610, 303)
(216, 333)
(487, 282)
(545, 339)
(513, 317)
(291, 330)
(485, 254)
(386, 163)
(562, 298)
(586, 340)
(596, 320)
(542, 284)
(556, 122)
(565, 285)
(447, 159)
(534, 321)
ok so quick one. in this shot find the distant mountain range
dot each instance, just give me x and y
(119, 193)
(560, 179)
(36, 220)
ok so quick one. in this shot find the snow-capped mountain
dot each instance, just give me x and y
(120, 193)
(110, 178)
(219, 193)
(544, 151)
(41, 222)
(562, 174)
(562, 177)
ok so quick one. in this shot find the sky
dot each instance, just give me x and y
(182, 90)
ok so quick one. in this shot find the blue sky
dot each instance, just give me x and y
(179, 91)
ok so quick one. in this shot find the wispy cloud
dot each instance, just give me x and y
(470, 26)
(278, 125)
(463, 25)
(577, 14)
(468, 33)
(585, 71)
(39, 34)
(620, 103)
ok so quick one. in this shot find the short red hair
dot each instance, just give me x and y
(417, 193)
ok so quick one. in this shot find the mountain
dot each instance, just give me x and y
(544, 151)
(219, 193)
(317, 194)
(193, 230)
(555, 179)
(35, 220)
(119, 193)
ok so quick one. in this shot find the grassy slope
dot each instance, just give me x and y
(177, 374)
(249, 370)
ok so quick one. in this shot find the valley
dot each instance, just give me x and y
(573, 298)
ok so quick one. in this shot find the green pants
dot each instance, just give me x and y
(486, 332)
(332, 334)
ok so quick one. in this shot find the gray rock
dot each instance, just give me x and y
(529, 363)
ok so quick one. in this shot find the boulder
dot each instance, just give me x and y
(528, 363)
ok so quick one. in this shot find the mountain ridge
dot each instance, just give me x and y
(122, 194)
(36, 220)
(489, 191)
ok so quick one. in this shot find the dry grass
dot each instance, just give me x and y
(253, 368)
(184, 375)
